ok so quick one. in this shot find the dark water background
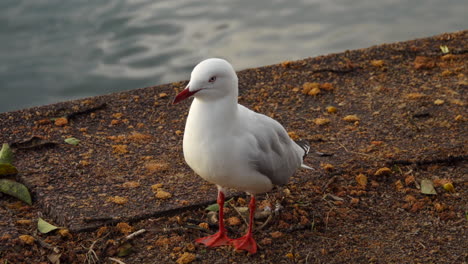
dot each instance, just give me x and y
(54, 50)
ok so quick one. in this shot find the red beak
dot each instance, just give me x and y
(186, 93)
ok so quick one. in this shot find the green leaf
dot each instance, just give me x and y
(215, 207)
(6, 156)
(15, 189)
(427, 187)
(7, 169)
(72, 141)
(45, 227)
(444, 49)
(124, 250)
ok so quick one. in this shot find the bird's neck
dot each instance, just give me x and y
(214, 115)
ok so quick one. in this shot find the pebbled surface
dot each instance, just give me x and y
(400, 106)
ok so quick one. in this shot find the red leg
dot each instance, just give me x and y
(247, 242)
(220, 238)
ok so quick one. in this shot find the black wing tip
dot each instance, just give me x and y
(304, 145)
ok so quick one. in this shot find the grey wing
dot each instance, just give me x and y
(275, 154)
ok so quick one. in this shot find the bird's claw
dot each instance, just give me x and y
(215, 240)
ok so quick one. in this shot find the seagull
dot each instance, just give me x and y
(232, 146)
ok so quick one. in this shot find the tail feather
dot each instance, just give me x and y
(305, 146)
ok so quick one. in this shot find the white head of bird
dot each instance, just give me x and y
(211, 79)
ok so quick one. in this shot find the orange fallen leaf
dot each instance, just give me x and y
(327, 167)
(383, 171)
(422, 62)
(124, 228)
(62, 121)
(351, 118)
(361, 179)
(409, 180)
(117, 199)
(186, 258)
(27, 239)
(24, 222)
(321, 121)
(276, 234)
(331, 109)
(120, 149)
(130, 184)
(327, 86)
(155, 166)
(377, 63)
(234, 221)
(306, 87)
(314, 91)
(449, 187)
(414, 96)
(160, 194)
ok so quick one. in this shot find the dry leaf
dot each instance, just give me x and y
(27, 239)
(124, 228)
(131, 184)
(427, 187)
(361, 179)
(351, 118)
(331, 109)
(117, 199)
(186, 258)
(160, 194)
(321, 121)
(383, 171)
(377, 63)
(449, 187)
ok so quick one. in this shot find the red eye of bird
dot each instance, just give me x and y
(212, 79)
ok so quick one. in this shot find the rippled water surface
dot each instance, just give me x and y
(53, 50)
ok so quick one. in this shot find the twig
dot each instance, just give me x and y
(343, 147)
(243, 218)
(86, 111)
(334, 197)
(330, 181)
(46, 245)
(293, 250)
(117, 260)
(307, 258)
(134, 234)
(326, 219)
(91, 256)
(264, 223)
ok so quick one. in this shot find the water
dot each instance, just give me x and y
(54, 50)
